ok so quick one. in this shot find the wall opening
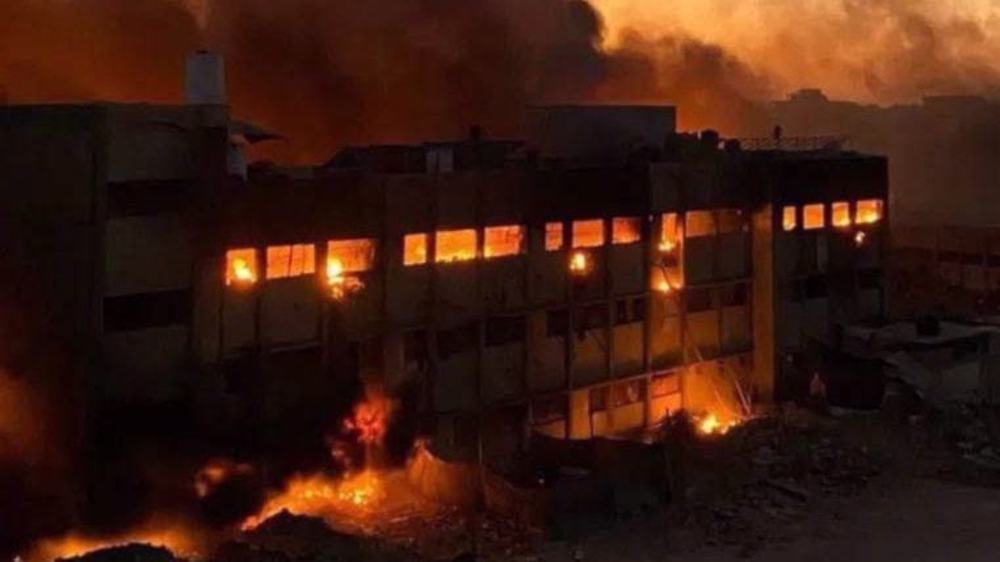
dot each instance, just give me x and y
(501, 241)
(415, 249)
(455, 245)
(588, 233)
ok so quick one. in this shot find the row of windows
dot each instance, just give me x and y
(355, 256)
(296, 260)
(843, 214)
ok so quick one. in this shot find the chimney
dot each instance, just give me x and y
(205, 79)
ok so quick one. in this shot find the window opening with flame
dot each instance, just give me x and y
(588, 233)
(842, 214)
(626, 230)
(351, 256)
(415, 249)
(241, 267)
(554, 237)
(814, 216)
(790, 218)
(869, 211)
(455, 245)
(501, 241)
(291, 261)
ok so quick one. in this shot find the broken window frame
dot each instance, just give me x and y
(809, 219)
(555, 236)
(361, 254)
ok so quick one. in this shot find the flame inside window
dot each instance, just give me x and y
(415, 249)
(241, 267)
(588, 233)
(869, 211)
(455, 245)
(789, 219)
(626, 230)
(291, 261)
(670, 235)
(554, 239)
(814, 216)
(350, 256)
(503, 241)
(841, 214)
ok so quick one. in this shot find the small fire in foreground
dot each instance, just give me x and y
(711, 424)
(331, 498)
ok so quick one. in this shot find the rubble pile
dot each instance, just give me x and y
(753, 484)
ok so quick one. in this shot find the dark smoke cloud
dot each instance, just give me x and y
(328, 72)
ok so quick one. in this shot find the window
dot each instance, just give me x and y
(455, 245)
(630, 311)
(241, 267)
(627, 393)
(350, 256)
(699, 224)
(599, 399)
(790, 219)
(457, 340)
(669, 233)
(594, 317)
(415, 249)
(557, 323)
(291, 261)
(731, 220)
(626, 230)
(554, 239)
(814, 216)
(588, 234)
(699, 300)
(841, 214)
(735, 296)
(869, 211)
(503, 241)
(148, 310)
(504, 331)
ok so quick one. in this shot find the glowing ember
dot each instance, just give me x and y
(860, 238)
(216, 473)
(668, 246)
(579, 264)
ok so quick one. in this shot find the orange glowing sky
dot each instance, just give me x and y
(851, 48)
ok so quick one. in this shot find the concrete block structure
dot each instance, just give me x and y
(565, 285)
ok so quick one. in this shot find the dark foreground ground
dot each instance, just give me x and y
(817, 488)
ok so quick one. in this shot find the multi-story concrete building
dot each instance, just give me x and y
(586, 281)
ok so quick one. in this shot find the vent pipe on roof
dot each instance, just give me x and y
(205, 79)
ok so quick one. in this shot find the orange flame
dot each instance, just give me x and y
(177, 538)
(712, 424)
(579, 263)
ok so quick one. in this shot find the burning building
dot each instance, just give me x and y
(588, 280)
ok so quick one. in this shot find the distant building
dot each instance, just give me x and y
(585, 281)
(943, 171)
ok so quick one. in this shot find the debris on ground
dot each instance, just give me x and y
(750, 486)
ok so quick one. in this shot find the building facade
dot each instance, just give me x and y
(587, 281)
